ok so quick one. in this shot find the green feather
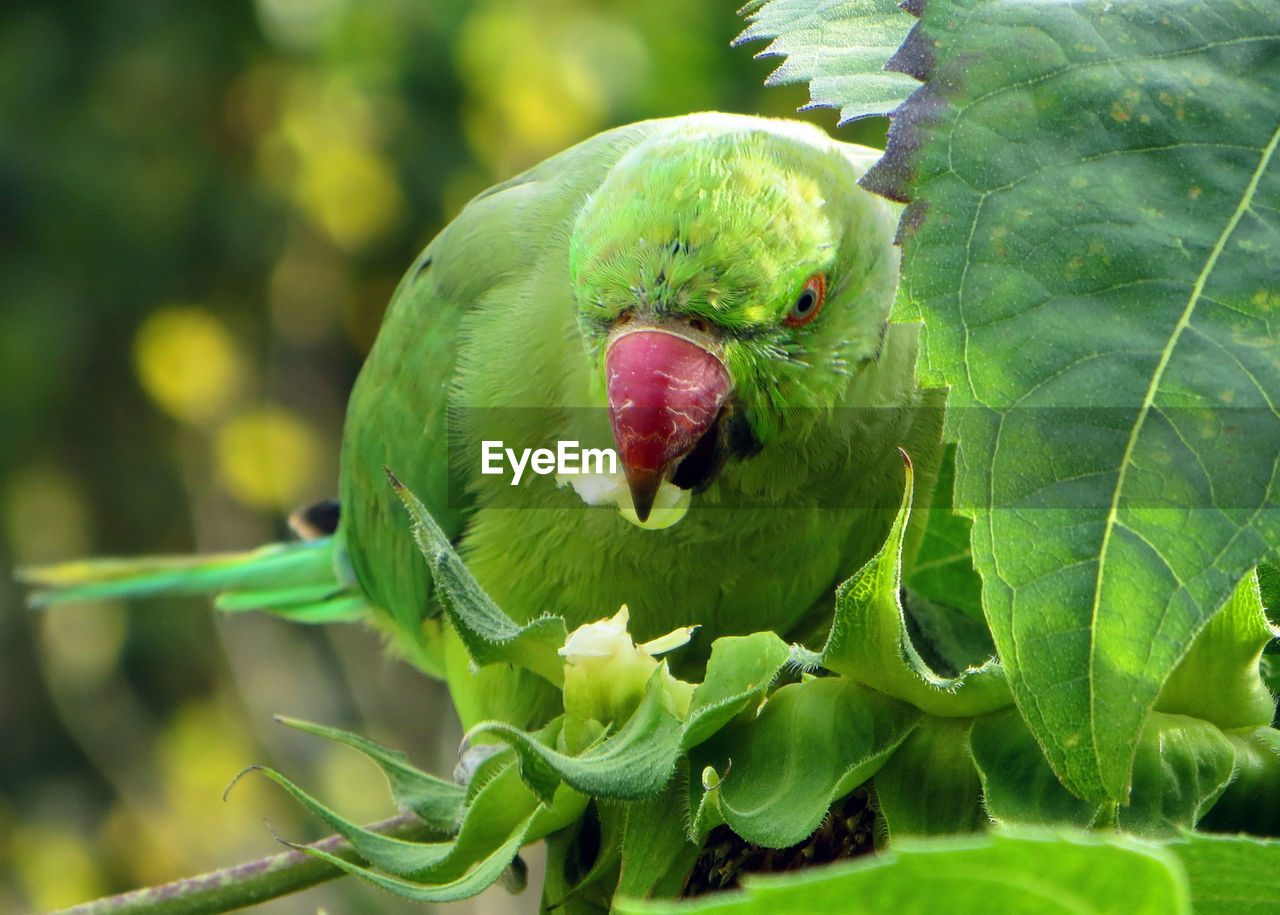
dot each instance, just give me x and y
(280, 568)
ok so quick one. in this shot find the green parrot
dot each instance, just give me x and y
(690, 316)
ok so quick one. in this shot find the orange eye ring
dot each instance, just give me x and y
(809, 302)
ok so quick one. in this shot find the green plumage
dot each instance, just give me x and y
(297, 580)
(499, 330)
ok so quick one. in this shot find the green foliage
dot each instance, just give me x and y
(769, 763)
(868, 638)
(1269, 585)
(1015, 871)
(838, 47)
(1098, 297)
(811, 744)
(1229, 875)
(1226, 654)
(1017, 784)
(656, 852)
(484, 875)
(1093, 266)
(930, 785)
(780, 768)
(1180, 769)
(942, 757)
(635, 762)
(490, 827)
(1251, 802)
(739, 672)
(436, 801)
(1020, 870)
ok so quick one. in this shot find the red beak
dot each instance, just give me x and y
(664, 394)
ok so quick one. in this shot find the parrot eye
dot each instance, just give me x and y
(808, 303)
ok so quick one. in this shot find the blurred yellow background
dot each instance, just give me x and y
(204, 208)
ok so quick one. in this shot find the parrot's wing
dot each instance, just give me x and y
(487, 259)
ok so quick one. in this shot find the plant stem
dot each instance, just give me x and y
(249, 883)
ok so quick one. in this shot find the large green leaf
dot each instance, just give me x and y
(839, 47)
(929, 787)
(1181, 768)
(1093, 245)
(1020, 871)
(1018, 787)
(811, 744)
(1039, 871)
(1230, 875)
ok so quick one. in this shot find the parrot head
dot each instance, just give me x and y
(721, 279)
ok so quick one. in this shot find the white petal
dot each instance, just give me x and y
(673, 639)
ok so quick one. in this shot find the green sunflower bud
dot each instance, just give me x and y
(605, 671)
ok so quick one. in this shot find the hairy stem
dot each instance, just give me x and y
(247, 884)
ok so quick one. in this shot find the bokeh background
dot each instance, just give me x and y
(204, 207)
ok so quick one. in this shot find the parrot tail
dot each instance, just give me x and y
(298, 580)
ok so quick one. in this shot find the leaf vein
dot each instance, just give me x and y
(1184, 320)
(1116, 62)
